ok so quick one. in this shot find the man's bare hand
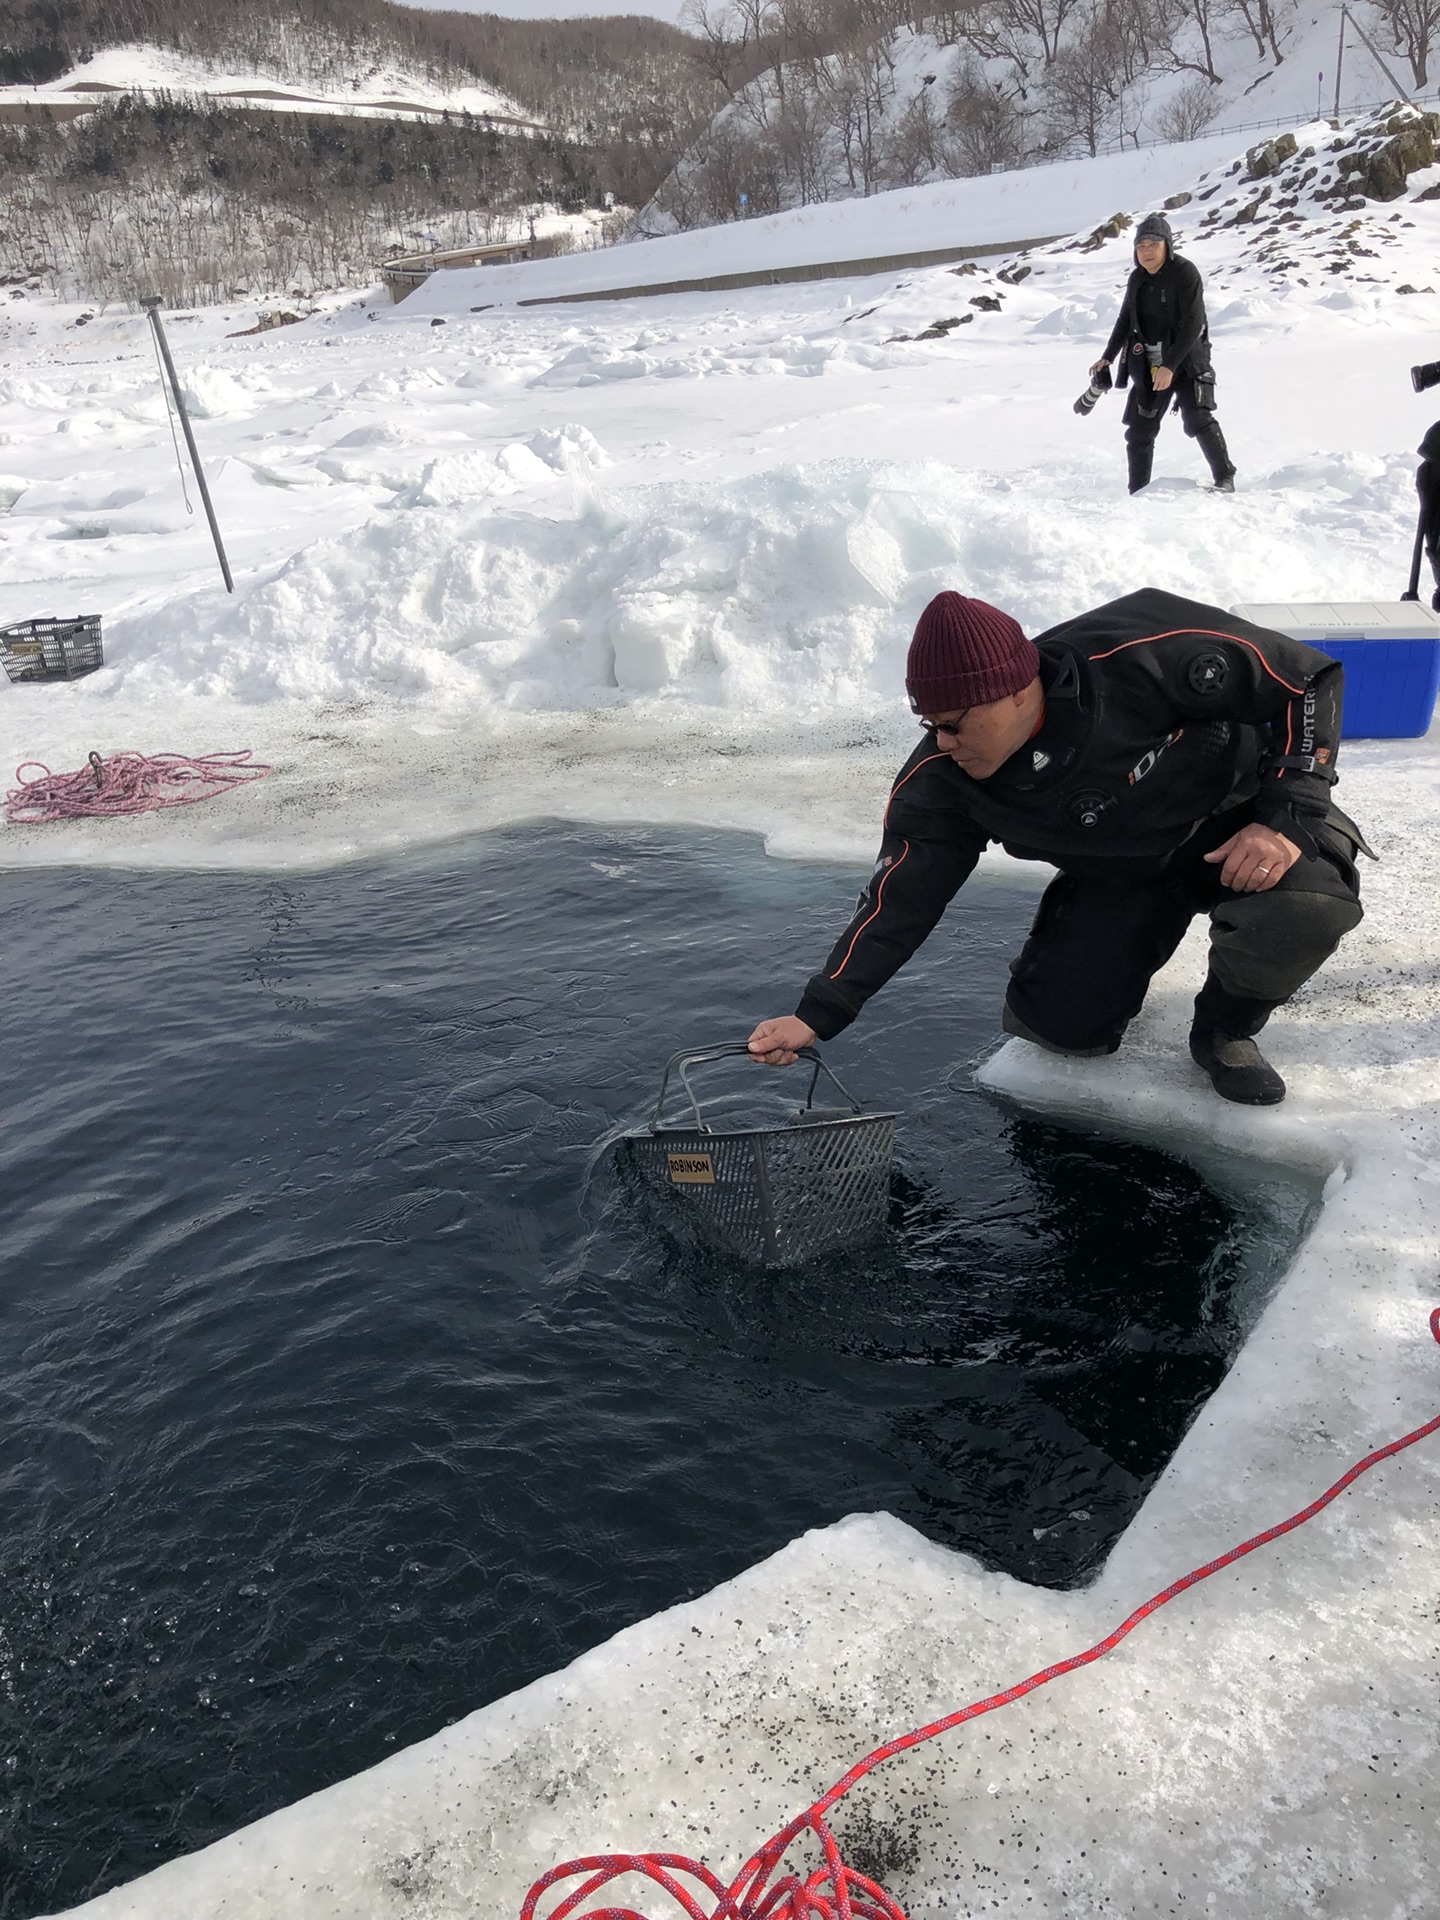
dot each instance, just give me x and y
(777, 1042)
(1098, 366)
(1255, 859)
(1160, 378)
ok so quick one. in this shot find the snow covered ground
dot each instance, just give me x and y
(390, 92)
(688, 523)
(659, 560)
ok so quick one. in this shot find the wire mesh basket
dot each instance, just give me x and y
(52, 649)
(779, 1194)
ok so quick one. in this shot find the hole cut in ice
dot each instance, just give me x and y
(344, 1388)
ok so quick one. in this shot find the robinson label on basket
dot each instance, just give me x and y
(691, 1170)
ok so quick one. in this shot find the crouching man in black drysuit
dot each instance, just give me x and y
(1163, 342)
(1170, 760)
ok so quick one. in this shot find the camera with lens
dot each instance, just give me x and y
(1427, 376)
(1100, 383)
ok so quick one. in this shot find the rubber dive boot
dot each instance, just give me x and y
(1238, 1070)
(1217, 458)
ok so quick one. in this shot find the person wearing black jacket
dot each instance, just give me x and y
(1169, 759)
(1163, 342)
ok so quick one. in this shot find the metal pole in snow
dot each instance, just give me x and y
(151, 304)
(1412, 591)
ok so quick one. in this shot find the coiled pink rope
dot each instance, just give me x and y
(126, 783)
(836, 1891)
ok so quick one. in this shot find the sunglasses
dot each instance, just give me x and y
(948, 727)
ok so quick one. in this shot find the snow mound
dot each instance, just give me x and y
(211, 393)
(792, 592)
(569, 449)
(590, 366)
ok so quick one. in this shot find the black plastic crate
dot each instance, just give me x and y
(776, 1195)
(52, 649)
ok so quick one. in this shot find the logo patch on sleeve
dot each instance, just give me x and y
(1207, 673)
(1146, 763)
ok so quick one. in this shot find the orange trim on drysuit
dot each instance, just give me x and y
(1213, 633)
(909, 776)
(1210, 633)
(879, 897)
(880, 890)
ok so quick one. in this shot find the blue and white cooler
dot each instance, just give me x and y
(1390, 650)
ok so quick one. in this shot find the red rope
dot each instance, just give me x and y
(126, 783)
(838, 1892)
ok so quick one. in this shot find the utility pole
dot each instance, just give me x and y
(1339, 63)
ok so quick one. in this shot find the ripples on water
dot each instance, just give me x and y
(343, 1390)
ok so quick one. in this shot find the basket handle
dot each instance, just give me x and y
(688, 1057)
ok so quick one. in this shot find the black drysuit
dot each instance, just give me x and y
(1167, 310)
(1168, 725)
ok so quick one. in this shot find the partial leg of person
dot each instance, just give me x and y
(1427, 485)
(1083, 974)
(1197, 416)
(1263, 948)
(1143, 413)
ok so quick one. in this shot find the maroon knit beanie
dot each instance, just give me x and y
(966, 654)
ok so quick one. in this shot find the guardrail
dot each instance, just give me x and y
(785, 276)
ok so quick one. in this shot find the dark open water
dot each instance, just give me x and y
(342, 1389)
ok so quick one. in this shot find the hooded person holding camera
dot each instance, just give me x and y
(1163, 342)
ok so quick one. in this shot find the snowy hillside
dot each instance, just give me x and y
(913, 105)
(149, 169)
(658, 560)
(389, 91)
(994, 214)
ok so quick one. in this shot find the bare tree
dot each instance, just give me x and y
(1084, 84)
(1412, 26)
(1188, 112)
(1264, 20)
(799, 137)
(1045, 19)
(916, 148)
(985, 127)
(721, 49)
(1202, 15)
